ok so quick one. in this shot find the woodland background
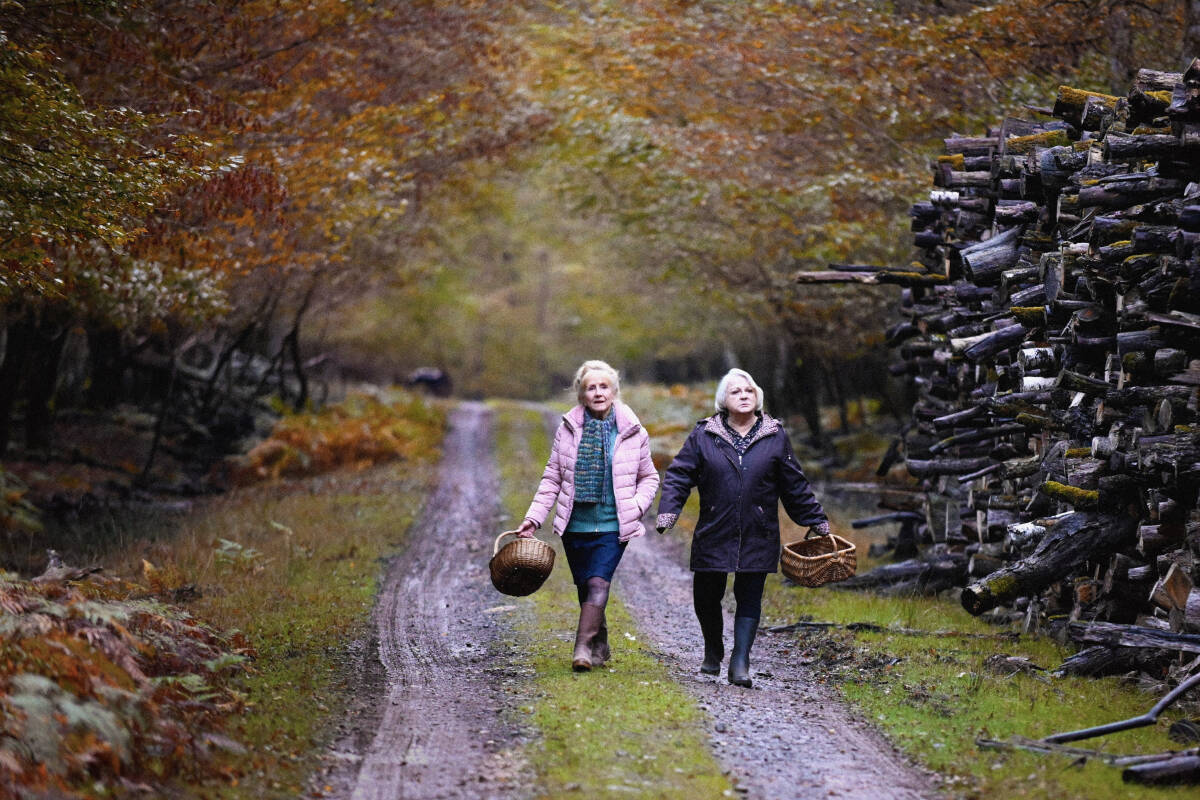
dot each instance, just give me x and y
(206, 201)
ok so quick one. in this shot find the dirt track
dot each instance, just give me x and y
(788, 736)
(438, 731)
(430, 723)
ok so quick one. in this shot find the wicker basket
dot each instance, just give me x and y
(820, 560)
(521, 566)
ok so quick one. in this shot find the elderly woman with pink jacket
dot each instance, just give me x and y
(603, 480)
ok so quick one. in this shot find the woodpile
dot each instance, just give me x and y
(1051, 328)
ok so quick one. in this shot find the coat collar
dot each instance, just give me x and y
(627, 421)
(714, 426)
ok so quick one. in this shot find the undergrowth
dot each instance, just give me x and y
(626, 728)
(358, 432)
(103, 691)
(277, 579)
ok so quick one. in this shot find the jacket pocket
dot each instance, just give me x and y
(767, 524)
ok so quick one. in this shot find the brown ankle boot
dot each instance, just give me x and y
(590, 616)
(600, 650)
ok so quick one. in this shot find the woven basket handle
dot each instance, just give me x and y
(496, 546)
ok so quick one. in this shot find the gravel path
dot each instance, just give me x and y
(788, 736)
(432, 690)
(434, 728)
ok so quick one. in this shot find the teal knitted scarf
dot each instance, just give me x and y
(591, 463)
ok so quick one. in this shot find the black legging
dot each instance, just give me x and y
(709, 587)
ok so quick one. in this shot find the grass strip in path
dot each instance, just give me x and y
(934, 694)
(626, 729)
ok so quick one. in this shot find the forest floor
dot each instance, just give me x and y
(438, 716)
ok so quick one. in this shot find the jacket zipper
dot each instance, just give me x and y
(741, 485)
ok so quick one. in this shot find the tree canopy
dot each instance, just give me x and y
(640, 178)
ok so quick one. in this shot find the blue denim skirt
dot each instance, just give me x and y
(593, 555)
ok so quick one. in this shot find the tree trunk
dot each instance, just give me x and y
(40, 383)
(18, 340)
(833, 379)
(1191, 31)
(780, 375)
(810, 400)
(106, 368)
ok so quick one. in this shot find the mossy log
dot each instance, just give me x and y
(1068, 543)
(1072, 105)
(1031, 316)
(1119, 194)
(1033, 141)
(1178, 396)
(1076, 382)
(1078, 498)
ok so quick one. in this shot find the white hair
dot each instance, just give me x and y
(596, 366)
(723, 388)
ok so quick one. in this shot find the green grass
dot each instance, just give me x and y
(934, 695)
(625, 729)
(300, 601)
(295, 567)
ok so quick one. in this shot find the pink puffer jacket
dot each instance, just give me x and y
(635, 480)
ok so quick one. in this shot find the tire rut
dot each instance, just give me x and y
(439, 728)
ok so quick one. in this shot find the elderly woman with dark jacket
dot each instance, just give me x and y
(742, 463)
(601, 482)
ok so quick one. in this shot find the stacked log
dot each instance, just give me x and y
(1051, 326)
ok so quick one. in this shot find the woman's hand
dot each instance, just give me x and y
(820, 529)
(527, 530)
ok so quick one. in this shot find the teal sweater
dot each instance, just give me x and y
(602, 516)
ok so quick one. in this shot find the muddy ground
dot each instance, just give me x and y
(433, 708)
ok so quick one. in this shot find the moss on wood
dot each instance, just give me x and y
(1076, 497)
(1069, 97)
(1026, 144)
(1030, 316)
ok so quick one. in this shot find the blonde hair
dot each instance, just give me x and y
(596, 366)
(723, 389)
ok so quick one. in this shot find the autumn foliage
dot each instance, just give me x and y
(358, 433)
(101, 685)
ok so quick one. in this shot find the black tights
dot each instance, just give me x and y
(594, 591)
(709, 587)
